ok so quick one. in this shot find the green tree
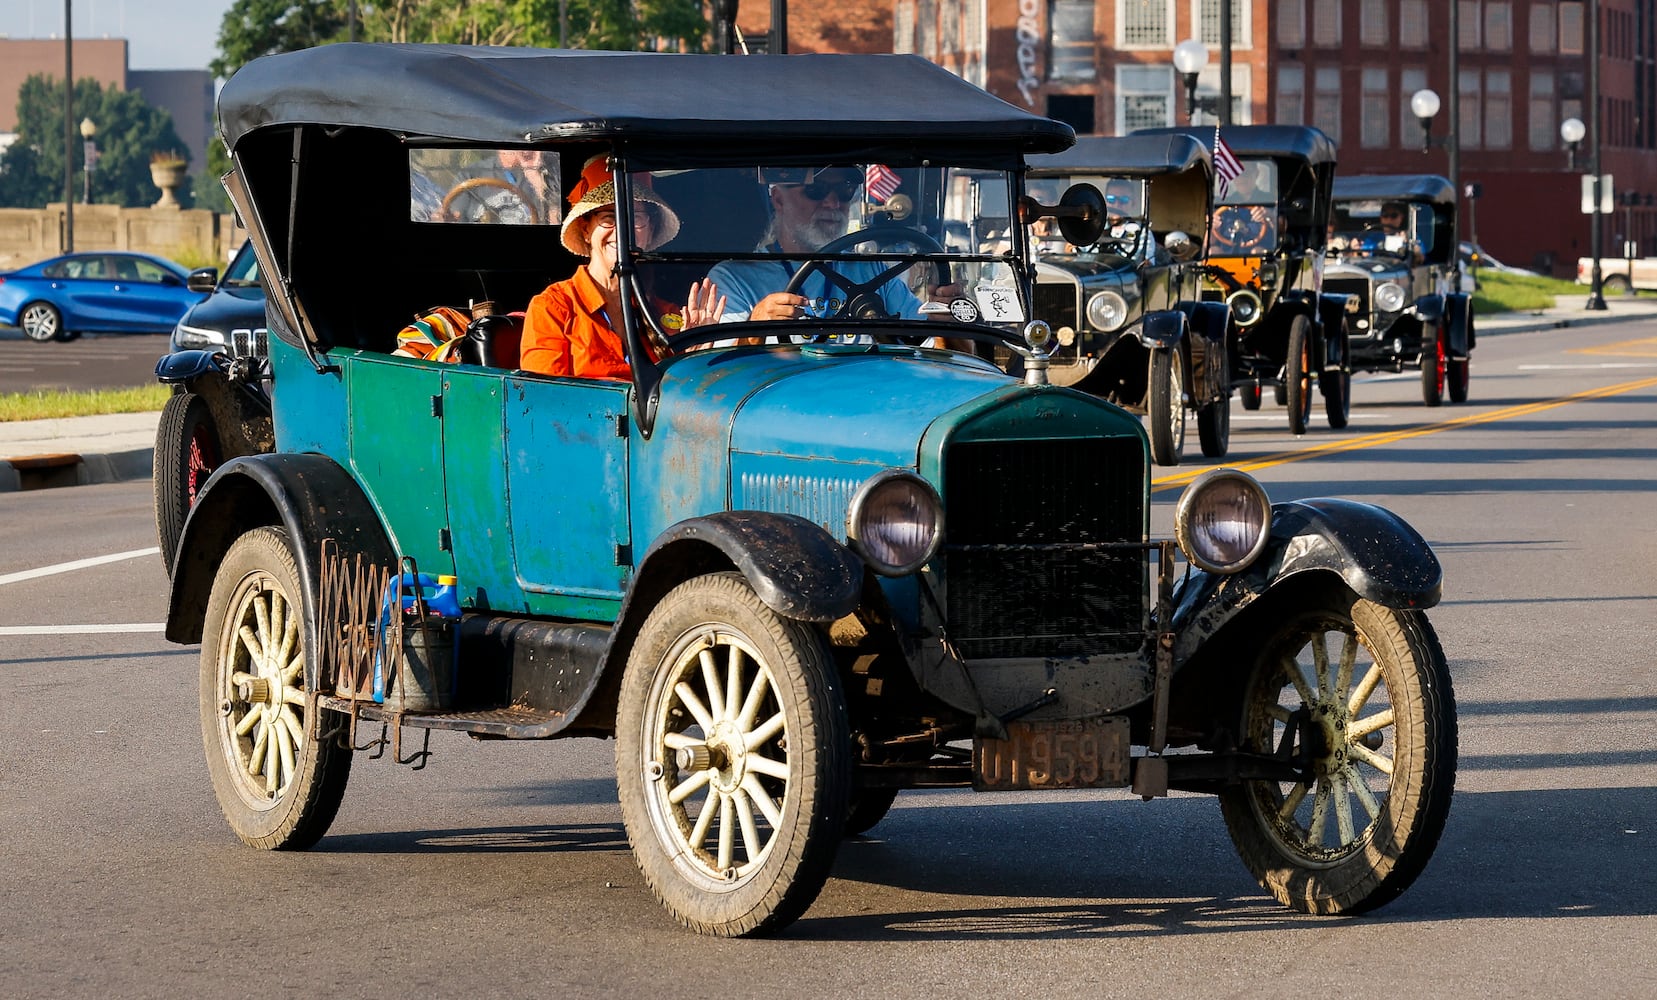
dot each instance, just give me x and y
(254, 28)
(129, 131)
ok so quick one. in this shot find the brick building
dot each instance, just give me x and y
(1349, 67)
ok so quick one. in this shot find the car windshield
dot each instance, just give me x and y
(243, 271)
(889, 234)
(1125, 212)
(1387, 228)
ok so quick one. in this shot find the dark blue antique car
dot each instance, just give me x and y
(790, 566)
(1127, 310)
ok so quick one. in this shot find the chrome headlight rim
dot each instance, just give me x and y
(1390, 297)
(856, 533)
(1252, 306)
(1190, 503)
(1097, 315)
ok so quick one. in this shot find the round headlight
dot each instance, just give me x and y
(1222, 520)
(895, 522)
(1245, 307)
(1107, 310)
(1389, 296)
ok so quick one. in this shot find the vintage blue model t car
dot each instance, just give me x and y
(790, 566)
(1128, 311)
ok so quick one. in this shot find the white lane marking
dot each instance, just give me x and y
(32, 574)
(1608, 364)
(81, 629)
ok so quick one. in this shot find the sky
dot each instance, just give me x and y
(160, 34)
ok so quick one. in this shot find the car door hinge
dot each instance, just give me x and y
(621, 425)
(444, 540)
(624, 554)
(437, 407)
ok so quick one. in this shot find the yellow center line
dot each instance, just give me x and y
(1183, 477)
(1643, 348)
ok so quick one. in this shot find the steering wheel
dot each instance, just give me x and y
(862, 298)
(490, 214)
(1236, 229)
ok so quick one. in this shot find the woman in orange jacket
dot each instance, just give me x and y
(570, 328)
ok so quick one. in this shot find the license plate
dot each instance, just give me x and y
(1072, 753)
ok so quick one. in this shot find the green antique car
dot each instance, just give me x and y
(790, 566)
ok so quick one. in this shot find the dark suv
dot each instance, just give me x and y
(791, 567)
(1127, 310)
(1392, 248)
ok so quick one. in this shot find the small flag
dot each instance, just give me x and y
(882, 181)
(1227, 167)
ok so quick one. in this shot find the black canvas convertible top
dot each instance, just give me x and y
(1125, 156)
(1301, 142)
(1398, 187)
(499, 96)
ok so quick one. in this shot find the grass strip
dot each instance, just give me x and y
(1504, 292)
(48, 404)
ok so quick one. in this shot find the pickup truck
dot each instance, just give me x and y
(1619, 275)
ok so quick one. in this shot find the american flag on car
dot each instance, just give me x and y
(1227, 167)
(882, 182)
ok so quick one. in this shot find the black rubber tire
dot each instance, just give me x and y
(1297, 375)
(868, 807)
(791, 676)
(1456, 378)
(1355, 869)
(40, 322)
(1214, 428)
(1165, 406)
(1250, 395)
(257, 589)
(1615, 284)
(187, 450)
(1280, 394)
(1337, 397)
(1433, 363)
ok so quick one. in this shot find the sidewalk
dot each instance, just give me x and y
(78, 450)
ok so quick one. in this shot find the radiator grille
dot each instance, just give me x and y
(1020, 582)
(1350, 286)
(1056, 303)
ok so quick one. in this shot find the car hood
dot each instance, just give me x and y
(228, 309)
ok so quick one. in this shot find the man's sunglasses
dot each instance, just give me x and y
(817, 190)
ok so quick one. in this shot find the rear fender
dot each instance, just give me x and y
(1372, 550)
(310, 496)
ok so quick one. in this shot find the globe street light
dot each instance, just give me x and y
(1424, 105)
(89, 128)
(1573, 132)
(1190, 56)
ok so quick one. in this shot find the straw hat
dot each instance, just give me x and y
(597, 189)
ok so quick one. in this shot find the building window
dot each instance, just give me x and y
(1498, 109)
(1326, 25)
(1070, 40)
(1146, 23)
(903, 27)
(1412, 24)
(1544, 129)
(1144, 97)
(1542, 24)
(1291, 95)
(1291, 23)
(1375, 130)
(1470, 122)
(1372, 24)
(1570, 28)
(1410, 80)
(1206, 15)
(1498, 27)
(1208, 87)
(1326, 101)
(1468, 28)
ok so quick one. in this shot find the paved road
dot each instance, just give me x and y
(502, 869)
(94, 361)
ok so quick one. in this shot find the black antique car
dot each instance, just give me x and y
(791, 567)
(1127, 311)
(1265, 252)
(1392, 248)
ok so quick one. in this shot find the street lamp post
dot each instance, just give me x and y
(1596, 291)
(1573, 132)
(89, 152)
(1190, 56)
(1424, 104)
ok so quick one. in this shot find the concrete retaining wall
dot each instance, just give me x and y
(31, 234)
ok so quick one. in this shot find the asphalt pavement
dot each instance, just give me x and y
(77, 450)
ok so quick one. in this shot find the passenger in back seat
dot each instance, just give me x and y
(570, 328)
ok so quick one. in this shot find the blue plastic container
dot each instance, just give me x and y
(430, 654)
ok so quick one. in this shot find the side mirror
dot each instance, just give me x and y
(202, 279)
(1180, 245)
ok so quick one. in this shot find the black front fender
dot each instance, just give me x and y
(182, 366)
(309, 495)
(1162, 328)
(1374, 552)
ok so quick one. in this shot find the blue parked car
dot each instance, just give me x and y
(96, 292)
(793, 565)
